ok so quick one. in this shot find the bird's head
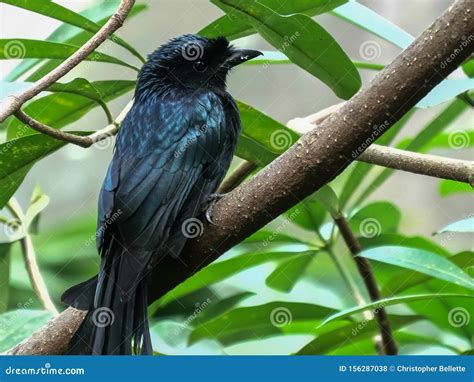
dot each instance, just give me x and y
(194, 62)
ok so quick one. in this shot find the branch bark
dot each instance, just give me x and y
(14, 102)
(365, 270)
(322, 154)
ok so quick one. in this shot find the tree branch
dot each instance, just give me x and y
(14, 102)
(31, 265)
(319, 156)
(365, 270)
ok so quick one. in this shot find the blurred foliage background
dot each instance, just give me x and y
(292, 287)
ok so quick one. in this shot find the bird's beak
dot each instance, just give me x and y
(239, 56)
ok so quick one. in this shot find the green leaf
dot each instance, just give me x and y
(468, 68)
(421, 261)
(58, 12)
(350, 332)
(403, 280)
(327, 197)
(222, 270)
(392, 239)
(437, 125)
(456, 140)
(38, 203)
(264, 130)
(391, 301)
(376, 218)
(333, 67)
(19, 324)
(234, 27)
(99, 13)
(308, 214)
(26, 48)
(465, 225)
(371, 21)
(251, 150)
(261, 320)
(18, 156)
(448, 187)
(61, 109)
(4, 275)
(287, 274)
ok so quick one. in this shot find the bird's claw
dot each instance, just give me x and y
(212, 200)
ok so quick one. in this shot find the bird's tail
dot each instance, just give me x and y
(111, 326)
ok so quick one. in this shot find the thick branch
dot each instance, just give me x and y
(14, 102)
(319, 156)
(365, 270)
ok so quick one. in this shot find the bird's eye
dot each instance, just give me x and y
(200, 66)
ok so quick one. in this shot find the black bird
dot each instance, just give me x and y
(172, 151)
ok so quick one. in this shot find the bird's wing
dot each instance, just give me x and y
(163, 151)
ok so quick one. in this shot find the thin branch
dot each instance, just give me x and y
(14, 102)
(424, 164)
(409, 161)
(243, 170)
(29, 255)
(365, 270)
(317, 158)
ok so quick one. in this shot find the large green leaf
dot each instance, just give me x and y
(304, 41)
(26, 48)
(58, 12)
(60, 109)
(17, 325)
(308, 214)
(18, 156)
(260, 320)
(421, 261)
(264, 130)
(287, 274)
(391, 301)
(376, 218)
(464, 225)
(448, 187)
(437, 125)
(4, 275)
(404, 280)
(222, 270)
(350, 332)
(234, 27)
(99, 13)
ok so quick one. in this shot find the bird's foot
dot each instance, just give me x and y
(212, 200)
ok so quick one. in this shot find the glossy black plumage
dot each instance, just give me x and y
(173, 149)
